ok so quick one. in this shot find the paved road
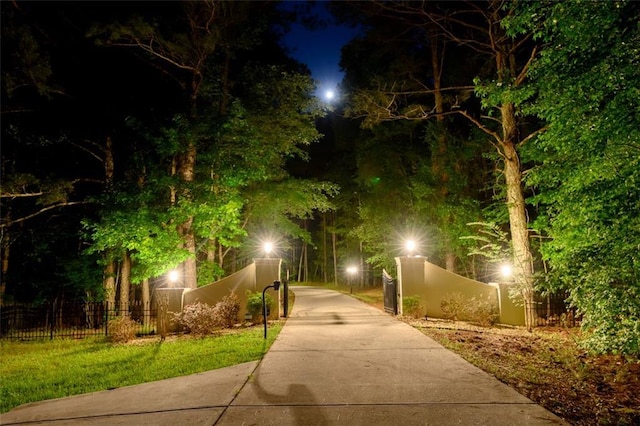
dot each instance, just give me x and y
(337, 361)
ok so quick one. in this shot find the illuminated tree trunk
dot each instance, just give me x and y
(146, 303)
(125, 284)
(522, 258)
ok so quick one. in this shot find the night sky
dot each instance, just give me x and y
(320, 48)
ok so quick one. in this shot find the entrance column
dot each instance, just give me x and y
(411, 278)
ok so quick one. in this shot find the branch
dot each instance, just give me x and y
(45, 209)
(20, 195)
(532, 135)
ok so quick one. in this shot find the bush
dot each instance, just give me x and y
(482, 311)
(122, 329)
(453, 306)
(226, 311)
(198, 319)
(412, 307)
(254, 305)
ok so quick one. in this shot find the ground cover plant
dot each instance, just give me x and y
(35, 371)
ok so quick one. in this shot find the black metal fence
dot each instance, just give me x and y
(70, 319)
(553, 310)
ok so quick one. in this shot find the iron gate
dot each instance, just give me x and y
(390, 300)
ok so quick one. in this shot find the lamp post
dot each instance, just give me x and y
(351, 271)
(276, 287)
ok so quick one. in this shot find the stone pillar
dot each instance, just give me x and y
(268, 271)
(411, 278)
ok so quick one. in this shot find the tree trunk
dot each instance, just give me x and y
(335, 256)
(439, 154)
(186, 167)
(109, 281)
(324, 247)
(6, 247)
(125, 284)
(146, 303)
(522, 258)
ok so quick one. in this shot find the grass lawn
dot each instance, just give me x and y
(39, 370)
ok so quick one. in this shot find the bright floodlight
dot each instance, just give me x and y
(268, 247)
(173, 275)
(506, 270)
(329, 95)
(351, 270)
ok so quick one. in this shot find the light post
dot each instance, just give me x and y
(351, 271)
(276, 287)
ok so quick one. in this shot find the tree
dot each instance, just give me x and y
(588, 179)
(474, 27)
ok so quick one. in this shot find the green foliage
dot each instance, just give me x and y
(412, 307)
(122, 329)
(209, 272)
(153, 242)
(588, 82)
(254, 304)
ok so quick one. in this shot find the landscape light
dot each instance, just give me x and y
(173, 275)
(268, 247)
(351, 270)
(410, 245)
(506, 270)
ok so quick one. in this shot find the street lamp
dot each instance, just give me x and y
(276, 287)
(351, 271)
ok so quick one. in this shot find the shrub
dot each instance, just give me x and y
(198, 319)
(226, 311)
(482, 311)
(412, 307)
(254, 304)
(122, 329)
(453, 306)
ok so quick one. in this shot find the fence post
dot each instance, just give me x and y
(106, 319)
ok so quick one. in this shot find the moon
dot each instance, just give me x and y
(329, 95)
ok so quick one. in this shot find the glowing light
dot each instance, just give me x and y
(268, 247)
(351, 270)
(329, 95)
(506, 270)
(173, 275)
(410, 246)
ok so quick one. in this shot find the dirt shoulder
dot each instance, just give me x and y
(550, 368)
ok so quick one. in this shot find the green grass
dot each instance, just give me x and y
(35, 371)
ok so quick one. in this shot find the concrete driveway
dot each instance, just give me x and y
(337, 361)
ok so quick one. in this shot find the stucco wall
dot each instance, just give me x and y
(432, 284)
